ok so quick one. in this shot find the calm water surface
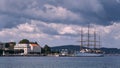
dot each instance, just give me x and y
(60, 62)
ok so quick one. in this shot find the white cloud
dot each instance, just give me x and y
(118, 1)
(26, 27)
(51, 12)
(46, 11)
(59, 12)
(36, 10)
(19, 20)
(37, 30)
(67, 30)
(40, 31)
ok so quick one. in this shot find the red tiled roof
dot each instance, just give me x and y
(34, 44)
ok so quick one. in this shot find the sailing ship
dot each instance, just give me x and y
(90, 47)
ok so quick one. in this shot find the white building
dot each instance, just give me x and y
(24, 47)
(28, 48)
(35, 47)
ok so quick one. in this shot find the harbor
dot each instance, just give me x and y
(59, 33)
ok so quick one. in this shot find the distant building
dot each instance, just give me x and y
(35, 48)
(24, 47)
(2, 46)
(28, 48)
(7, 46)
(11, 45)
(64, 52)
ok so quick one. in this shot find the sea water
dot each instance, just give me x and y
(60, 62)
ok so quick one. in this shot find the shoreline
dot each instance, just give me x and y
(49, 55)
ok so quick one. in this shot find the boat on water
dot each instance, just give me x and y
(89, 53)
(90, 45)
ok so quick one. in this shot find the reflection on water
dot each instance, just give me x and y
(59, 62)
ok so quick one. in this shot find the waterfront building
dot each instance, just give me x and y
(24, 47)
(7, 45)
(35, 48)
(30, 48)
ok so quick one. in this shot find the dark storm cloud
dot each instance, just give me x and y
(7, 21)
(96, 11)
(112, 9)
(32, 9)
(81, 12)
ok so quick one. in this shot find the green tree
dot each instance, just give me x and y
(1, 52)
(24, 41)
(47, 49)
(42, 50)
(7, 45)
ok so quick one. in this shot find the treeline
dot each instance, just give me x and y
(111, 50)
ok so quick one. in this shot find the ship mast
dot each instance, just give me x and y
(81, 39)
(92, 40)
(99, 42)
(95, 39)
(88, 37)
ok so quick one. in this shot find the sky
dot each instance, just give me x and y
(59, 22)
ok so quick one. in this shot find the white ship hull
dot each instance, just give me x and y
(80, 54)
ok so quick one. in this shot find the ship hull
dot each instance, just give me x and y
(88, 55)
